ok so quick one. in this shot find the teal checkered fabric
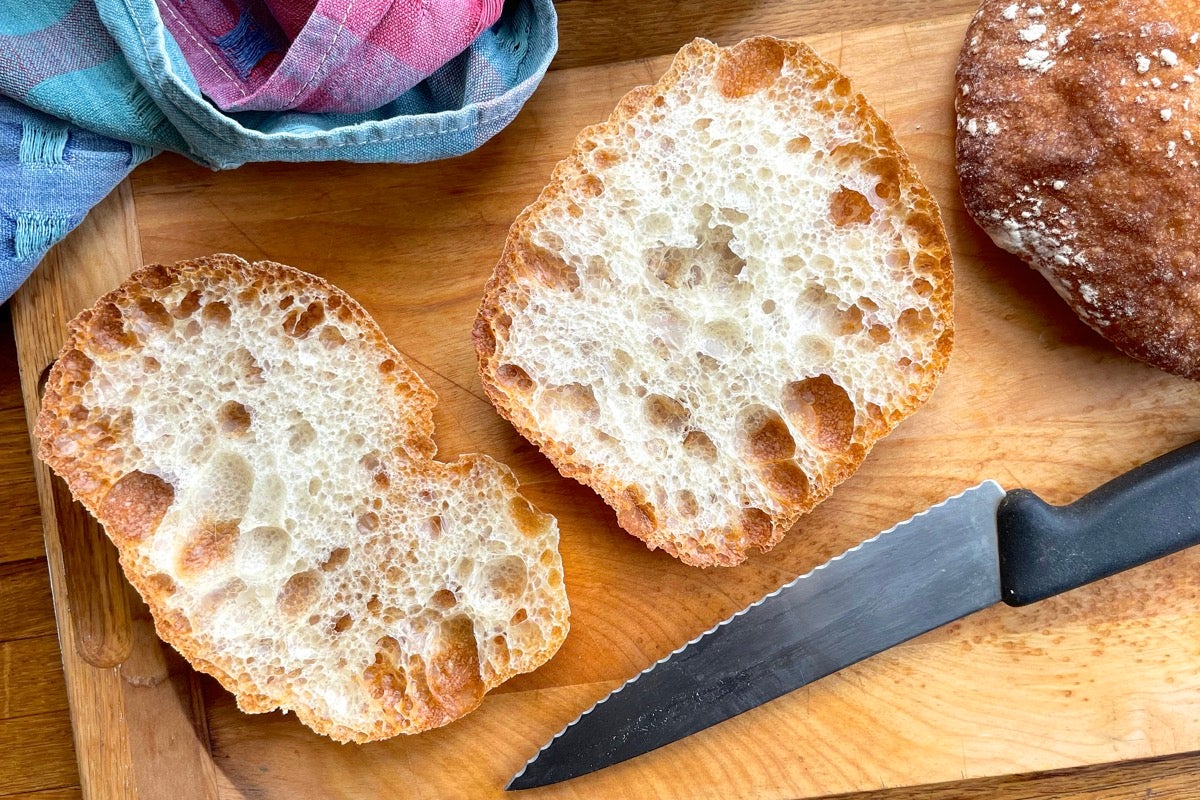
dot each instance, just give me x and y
(91, 88)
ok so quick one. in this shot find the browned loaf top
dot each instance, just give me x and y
(1079, 150)
(726, 294)
(262, 458)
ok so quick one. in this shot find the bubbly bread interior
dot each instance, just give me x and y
(262, 458)
(725, 295)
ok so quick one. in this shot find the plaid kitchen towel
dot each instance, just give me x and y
(458, 107)
(51, 173)
(320, 73)
(340, 56)
(57, 57)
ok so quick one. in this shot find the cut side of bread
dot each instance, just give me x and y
(262, 459)
(727, 293)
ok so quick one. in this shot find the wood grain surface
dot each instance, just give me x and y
(1105, 680)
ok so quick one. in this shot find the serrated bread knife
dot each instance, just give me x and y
(964, 554)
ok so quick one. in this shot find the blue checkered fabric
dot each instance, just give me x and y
(90, 88)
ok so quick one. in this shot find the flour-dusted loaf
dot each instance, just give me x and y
(727, 293)
(1079, 150)
(262, 458)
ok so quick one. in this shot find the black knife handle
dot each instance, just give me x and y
(1147, 513)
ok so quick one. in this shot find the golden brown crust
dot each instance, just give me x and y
(1079, 150)
(92, 449)
(749, 67)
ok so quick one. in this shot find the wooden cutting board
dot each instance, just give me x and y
(1032, 398)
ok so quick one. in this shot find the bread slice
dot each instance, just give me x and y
(262, 458)
(725, 295)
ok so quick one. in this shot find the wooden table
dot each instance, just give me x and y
(37, 758)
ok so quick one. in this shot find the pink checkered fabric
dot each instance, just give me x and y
(331, 56)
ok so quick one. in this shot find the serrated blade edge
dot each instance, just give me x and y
(974, 507)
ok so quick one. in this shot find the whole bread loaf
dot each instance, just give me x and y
(727, 293)
(262, 459)
(1078, 149)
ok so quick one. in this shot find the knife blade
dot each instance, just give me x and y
(968, 552)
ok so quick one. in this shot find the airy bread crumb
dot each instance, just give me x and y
(725, 295)
(262, 458)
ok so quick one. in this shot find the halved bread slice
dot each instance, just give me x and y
(262, 458)
(727, 293)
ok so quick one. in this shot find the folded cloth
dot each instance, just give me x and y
(114, 86)
(340, 56)
(51, 174)
(57, 57)
(457, 108)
